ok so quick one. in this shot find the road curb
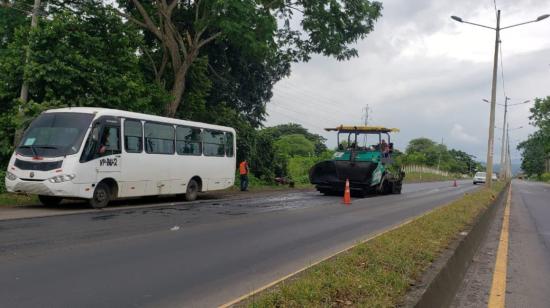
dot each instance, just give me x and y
(438, 286)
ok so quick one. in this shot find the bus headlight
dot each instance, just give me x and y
(61, 178)
(10, 176)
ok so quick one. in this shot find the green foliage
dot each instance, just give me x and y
(423, 151)
(10, 21)
(545, 177)
(540, 113)
(83, 58)
(264, 162)
(533, 154)
(294, 145)
(536, 149)
(327, 27)
(278, 131)
(2, 181)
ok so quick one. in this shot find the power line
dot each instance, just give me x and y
(310, 106)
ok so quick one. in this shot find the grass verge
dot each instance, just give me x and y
(7, 199)
(379, 272)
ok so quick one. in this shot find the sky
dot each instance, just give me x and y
(426, 74)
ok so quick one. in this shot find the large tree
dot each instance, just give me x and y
(84, 56)
(278, 131)
(271, 29)
(536, 149)
(533, 154)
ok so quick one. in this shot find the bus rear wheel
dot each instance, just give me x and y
(49, 200)
(102, 196)
(192, 191)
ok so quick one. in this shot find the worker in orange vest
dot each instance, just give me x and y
(243, 171)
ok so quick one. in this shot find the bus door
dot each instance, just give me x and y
(107, 154)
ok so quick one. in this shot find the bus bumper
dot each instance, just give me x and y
(47, 188)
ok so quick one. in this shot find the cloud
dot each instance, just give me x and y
(459, 134)
(424, 73)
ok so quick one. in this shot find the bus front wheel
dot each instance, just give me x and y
(102, 196)
(49, 200)
(192, 191)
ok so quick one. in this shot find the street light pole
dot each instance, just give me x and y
(502, 150)
(491, 141)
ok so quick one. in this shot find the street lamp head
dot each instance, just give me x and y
(460, 19)
(485, 100)
(543, 17)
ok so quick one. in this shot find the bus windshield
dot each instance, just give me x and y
(55, 134)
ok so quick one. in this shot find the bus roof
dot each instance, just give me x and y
(140, 116)
(362, 129)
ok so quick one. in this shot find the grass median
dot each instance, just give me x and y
(379, 272)
(7, 199)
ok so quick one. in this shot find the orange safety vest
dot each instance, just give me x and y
(243, 168)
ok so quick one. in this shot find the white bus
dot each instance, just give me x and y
(103, 154)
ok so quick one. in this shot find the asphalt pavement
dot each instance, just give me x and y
(190, 255)
(528, 257)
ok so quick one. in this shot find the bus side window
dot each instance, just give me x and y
(214, 142)
(159, 138)
(133, 136)
(110, 141)
(188, 141)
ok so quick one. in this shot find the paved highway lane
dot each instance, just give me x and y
(527, 260)
(528, 281)
(200, 254)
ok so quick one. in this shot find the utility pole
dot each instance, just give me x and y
(439, 160)
(367, 110)
(24, 94)
(491, 141)
(508, 157)
(503, 151)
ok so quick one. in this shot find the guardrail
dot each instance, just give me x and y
(424, 169)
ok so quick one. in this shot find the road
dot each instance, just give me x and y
(527, 279)
(192, 255)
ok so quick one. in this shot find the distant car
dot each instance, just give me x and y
(479, 177)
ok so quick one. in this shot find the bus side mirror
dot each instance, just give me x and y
(95, 132)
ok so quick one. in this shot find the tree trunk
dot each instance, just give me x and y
(178, 88)
(177, 93)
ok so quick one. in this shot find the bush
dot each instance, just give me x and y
(253, 181)
(2, 181)
(545, 177)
